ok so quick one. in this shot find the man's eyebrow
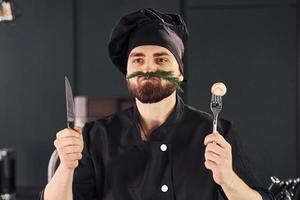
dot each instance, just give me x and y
(161, 54)
(136, 54)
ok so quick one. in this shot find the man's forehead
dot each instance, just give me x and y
(153, 50)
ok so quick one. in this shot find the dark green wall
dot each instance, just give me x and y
(251, 48)
(35, 55)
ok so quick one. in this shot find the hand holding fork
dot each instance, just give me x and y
(218, 156)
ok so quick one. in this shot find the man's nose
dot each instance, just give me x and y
(149, 66)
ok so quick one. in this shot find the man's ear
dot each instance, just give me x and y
(181, 77)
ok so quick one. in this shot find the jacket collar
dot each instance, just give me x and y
(173, 119)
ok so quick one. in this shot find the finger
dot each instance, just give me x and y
(72, 149)
(78, 129)
(213, 137)
(214, 148)
(69, 141)
(55, 143)
(213, 157)
(58, 149)
(67, 132)
(216, 137)
(72, 157)
(210, 165)
(70, 164)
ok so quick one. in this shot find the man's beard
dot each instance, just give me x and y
(152, 91)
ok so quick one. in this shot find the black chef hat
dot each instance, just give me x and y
(147, 27)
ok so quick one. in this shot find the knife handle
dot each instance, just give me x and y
(71, 125)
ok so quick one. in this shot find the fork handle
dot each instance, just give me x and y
(215, 124)
(215, 121)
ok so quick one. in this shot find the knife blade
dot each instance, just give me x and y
(70, 104)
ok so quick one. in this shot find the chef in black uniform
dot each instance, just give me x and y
(161, 148)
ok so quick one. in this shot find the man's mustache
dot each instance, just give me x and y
(166, 75)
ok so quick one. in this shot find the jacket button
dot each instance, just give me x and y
(163, 147)
(164, 188)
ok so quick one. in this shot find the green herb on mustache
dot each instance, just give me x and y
(167, 75)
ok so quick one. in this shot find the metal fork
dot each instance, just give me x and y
(216, 107)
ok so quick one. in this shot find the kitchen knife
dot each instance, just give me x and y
(70, 104)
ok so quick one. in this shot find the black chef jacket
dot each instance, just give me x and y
(118, 165)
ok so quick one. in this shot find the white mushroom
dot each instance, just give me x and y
(218, 89)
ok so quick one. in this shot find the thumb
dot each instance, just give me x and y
(78, 129)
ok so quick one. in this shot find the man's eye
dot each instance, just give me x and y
(137, 60)
(161, 60)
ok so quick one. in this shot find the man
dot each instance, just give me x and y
(160, 148)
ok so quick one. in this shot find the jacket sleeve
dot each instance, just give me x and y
(240, 162)
(84, 180)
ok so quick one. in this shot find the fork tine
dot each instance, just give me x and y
(219, 99)
(213, 98)
(216, 99)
